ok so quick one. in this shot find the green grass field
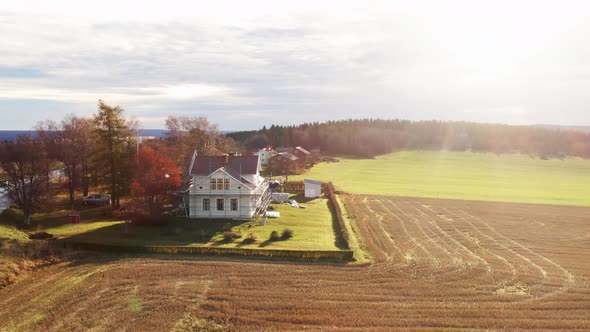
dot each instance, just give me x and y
(312, 229)
(462, 175)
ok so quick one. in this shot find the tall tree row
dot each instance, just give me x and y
(371, 137)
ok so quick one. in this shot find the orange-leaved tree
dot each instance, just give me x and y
(157, 179)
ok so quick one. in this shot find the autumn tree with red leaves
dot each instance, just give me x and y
(156, 180)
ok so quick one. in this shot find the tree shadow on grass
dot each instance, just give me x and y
(175, 232)
(265, 243)
(53, 219)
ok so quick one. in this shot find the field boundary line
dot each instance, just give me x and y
(356, 243)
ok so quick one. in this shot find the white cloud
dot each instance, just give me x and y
(201, 92)
(415, 60)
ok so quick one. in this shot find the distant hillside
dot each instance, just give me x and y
(10, 135)
(153, 132)
(583, 129)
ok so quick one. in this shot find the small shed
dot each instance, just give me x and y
(312, 188)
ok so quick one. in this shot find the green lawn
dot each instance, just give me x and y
(312, 229)
(462, 175)
(312, 226)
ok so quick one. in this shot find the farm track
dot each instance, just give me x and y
(438, 265)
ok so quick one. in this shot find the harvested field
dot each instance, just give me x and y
(438, 265)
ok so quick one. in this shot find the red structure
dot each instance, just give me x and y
(74, 218)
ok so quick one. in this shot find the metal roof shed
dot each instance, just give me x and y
(312, 188)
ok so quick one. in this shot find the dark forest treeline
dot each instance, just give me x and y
(372, 137)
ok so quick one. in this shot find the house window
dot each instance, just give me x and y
(206, 204)
(234, 204)
(219, 184)
(220, 202)
(226, 183)
(213, 184)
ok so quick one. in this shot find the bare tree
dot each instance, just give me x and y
(189, 134)
(48, 136)
(69, 142)
(74, 152)
(81, 131)
(24, 163)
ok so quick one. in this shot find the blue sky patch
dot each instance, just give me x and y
(20, 72)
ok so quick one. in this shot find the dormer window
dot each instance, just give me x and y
(220, 184)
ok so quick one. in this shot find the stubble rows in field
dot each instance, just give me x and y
(439, 265)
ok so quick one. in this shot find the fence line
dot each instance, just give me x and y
(340, 255)
(330, 193)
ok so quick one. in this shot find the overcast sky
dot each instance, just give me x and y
(244, 64)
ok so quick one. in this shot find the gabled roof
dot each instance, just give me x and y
(302, 150)
(243, 164)
(239, 177)
(269, 150)
(231, 174)
(205, 165)
(292, 150)
(282, 149)
(286, 155)
(311, 181)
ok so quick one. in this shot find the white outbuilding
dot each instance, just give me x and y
(312, 188)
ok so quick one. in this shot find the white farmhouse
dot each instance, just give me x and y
(227, 187)
(265, 154)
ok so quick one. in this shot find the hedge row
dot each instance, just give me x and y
(338, 212)
(340, 255)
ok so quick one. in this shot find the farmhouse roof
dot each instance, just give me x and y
(205, 165)
(239, 177)
(243, 164)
